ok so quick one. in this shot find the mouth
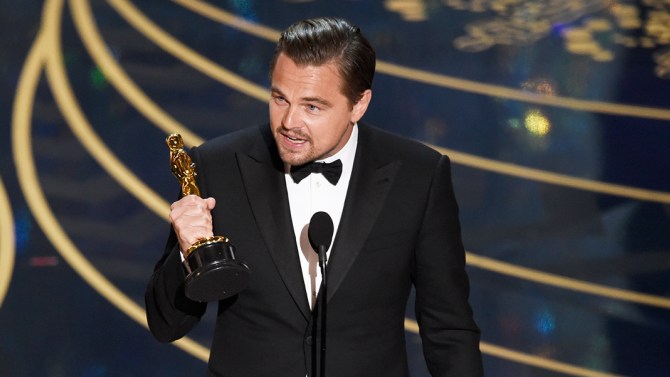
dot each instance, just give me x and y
(295, 140)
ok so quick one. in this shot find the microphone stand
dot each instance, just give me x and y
(320, 234)
(323, 295)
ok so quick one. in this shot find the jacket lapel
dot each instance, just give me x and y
(263, 177)
(371, 179)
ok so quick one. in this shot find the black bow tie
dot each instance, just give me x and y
(330, 171)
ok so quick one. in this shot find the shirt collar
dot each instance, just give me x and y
(348, 152)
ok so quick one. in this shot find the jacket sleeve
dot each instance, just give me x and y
(448, 331)
(170, 314)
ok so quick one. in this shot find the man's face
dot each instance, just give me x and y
(310, 117)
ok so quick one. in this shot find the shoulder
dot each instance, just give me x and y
(237, 141)
(382, 142)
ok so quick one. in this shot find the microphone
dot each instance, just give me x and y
(320, 233)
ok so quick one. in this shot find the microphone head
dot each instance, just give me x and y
(320, 231)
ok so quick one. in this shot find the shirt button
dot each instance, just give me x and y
(308, 340)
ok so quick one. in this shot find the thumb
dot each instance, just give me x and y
(211, 202)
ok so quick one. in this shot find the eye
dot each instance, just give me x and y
(312, 108)
(279, 99)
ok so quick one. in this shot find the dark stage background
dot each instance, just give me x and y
(555, 114)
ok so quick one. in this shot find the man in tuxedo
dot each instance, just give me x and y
(395, 218)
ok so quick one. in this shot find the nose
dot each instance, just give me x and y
(291, 119)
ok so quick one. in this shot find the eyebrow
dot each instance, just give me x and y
(318, 100)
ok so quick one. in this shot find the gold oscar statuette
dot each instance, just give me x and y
(213, 273)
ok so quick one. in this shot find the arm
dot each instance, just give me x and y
(449, 334)
(170, 314)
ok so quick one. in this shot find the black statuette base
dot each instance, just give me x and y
(213, 273)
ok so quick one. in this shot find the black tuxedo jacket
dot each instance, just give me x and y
(399, 228)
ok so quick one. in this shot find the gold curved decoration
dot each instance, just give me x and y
(80, 126)
(214, 13)
(541, 362)
(46, 50)
(538, 175)
(96, 47)
(90, 35)
(7, 251)
(489, 90)
(139, 21)
(555, 280)
(221, 16)
(526, 359)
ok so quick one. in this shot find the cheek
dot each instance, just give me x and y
(274, 115)
(321, 134)
(329, 138)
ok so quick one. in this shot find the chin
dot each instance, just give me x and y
(293, 158)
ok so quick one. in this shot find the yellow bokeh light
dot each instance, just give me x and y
(537, 123)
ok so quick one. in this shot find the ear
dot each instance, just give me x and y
(361, 106)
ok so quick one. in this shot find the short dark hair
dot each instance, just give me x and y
(319, 41)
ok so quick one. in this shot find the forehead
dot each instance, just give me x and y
(287, 72)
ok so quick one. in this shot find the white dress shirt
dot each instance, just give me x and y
(314, 194)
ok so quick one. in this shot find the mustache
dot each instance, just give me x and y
(292, 133)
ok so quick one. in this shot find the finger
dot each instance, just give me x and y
(187, 200)
(191, 208)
